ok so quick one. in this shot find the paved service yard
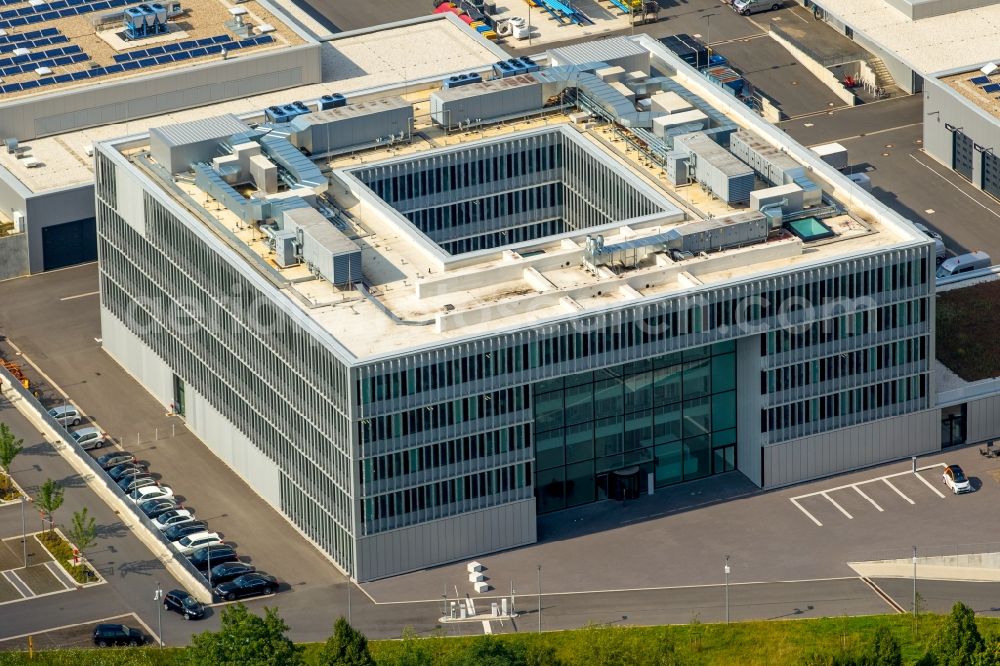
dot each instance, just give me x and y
(768, 536)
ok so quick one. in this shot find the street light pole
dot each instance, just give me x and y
(539, 598)
(157, 596)
(24, 531)
(914, 582)
(727, 589)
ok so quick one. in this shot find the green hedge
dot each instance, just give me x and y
(62, 552)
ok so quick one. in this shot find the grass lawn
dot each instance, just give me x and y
(967, 321)
(774, 643)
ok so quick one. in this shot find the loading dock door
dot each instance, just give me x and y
(961, 154)
(991, 174)
(68, 244)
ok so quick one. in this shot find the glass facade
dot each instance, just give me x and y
(673, 416)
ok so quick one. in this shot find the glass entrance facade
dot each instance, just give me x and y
(599, 433)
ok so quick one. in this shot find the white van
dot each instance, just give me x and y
(747, 7)
(963, 263)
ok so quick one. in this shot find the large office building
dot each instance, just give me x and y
(417, 318)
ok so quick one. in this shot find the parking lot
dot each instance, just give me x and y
(75, 635)
(53, 321)
(41, 576)
(895, 491)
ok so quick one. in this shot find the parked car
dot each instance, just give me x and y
(247, 585)
(209, 556)
(117, 634)
(173, 517)
(956, 480)
(939, 250)
(147, 492)
(747, 7)
(181, 602)
(175, 532)
(115, 458)
(227, 571)
(119, 472)
(154, 508)
(89, 438)
(192, 542)
(130, 483)
(66, 415)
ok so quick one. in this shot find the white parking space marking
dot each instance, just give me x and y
(898, 491)
(928, 484)
(811, 517)
(857, 487)
(89, 293)
(487, 627)
(842, 509)
(862, 493)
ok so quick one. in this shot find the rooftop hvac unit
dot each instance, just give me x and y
(461, 80)
(332, 101)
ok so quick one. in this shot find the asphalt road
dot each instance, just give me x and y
(883, 139)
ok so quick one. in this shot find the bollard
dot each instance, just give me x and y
(914, 461)
(156, 434)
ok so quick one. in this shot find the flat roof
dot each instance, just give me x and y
(82, 43)
(981, 90)
(351, 64)
(934, 44)
(414, 302)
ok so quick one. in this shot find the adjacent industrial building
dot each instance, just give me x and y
(948, 51)
(68, 66)
(419, 318)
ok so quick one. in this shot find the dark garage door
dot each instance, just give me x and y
(961, 154)
(69, 243)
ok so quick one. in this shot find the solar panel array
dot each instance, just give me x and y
(129, 65)
(33, 43)
(40, 55)
(171, 48)
(27, 68)
(34, 34)
(53, 11)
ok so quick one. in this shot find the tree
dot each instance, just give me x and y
(245, 639)
(958, 642)
(883, 650)
(50, 498)
(83, 531)
(9, 448)
(346, 647)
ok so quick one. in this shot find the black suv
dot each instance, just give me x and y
(117, 634)
(209, 556)
(181, 602)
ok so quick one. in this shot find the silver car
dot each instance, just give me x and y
(89, 438)
(66, 415)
